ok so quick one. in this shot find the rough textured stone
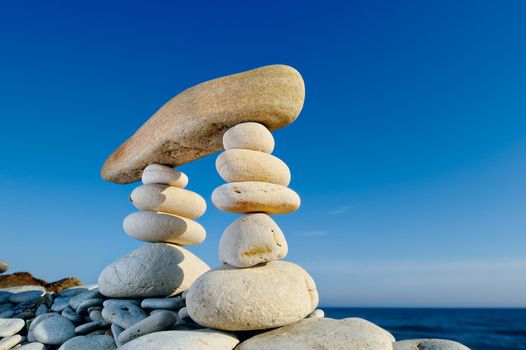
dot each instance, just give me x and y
(428, 344)
(162, 174)
(89, 342)
(51, 329)
(154, 227)
(156, 270)
(191, 125)
(157, 322)
(10, 326)
(255, 197)
(168, 199)
(252, 239)
(238, 165)
(203, 339)
(264, 296)
(323, 334)
(253, 136)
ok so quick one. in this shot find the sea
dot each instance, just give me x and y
(478, 329)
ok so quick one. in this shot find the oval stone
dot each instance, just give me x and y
(253, 136)
(89, 342)
(10, 326)
(428, 344)
(237, 165)
(202, 339)
(168, 199)
(156, 270)
(165, 175)
(252, 239)
(157, 227)
(10, 342)
(255, 197)
(157, 322)
(51, 329)
(323, 333)
(264, 296)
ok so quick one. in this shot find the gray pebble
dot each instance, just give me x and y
(32, 346)
(317, 313)
(123, 315)
(71, 315)
(71, 292)
(60, 304)
(90, 327)
(118, 302)
(163, 303)
(116, 331)
(23, 297)
(428, 344)
(183, 315)
(155, 323)
(89, 342)
(75, 301)
(51, 329)
(4, 297)
(41, 309)
(96, 315)
(83, 306)
(7, 307)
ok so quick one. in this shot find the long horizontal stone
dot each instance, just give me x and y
(191, 125)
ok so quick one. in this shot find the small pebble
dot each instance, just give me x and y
(162, 303)
(317, 313)
(51, 329)
(96, 315)
(41, 309)
(83, 306)
(89, 342)
(79, 298)
(155, 323)
(71, 315)
(9, 327)
(60, 304)
(123, 315)
(10, 342)
(4, 297)
(28, 296)
(90, 327)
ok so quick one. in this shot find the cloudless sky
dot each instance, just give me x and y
(409, 154)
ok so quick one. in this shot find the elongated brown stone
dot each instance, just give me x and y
(191, 125)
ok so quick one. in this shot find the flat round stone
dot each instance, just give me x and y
(157, 227)
(191, 125)
(25, 297)
(164, 175)
(51, 329)
(32, 346)
(202, 339)
(237, 165)
(168, 199)
(253, 136)
(123, 315)
(261, 297)
(251, 240)
(10, 326)
(10, 342)
(255, 197)
(163, 303)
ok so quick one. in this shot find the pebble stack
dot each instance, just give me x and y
(253, 290)
(166, 220)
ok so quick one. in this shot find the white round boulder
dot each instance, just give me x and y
(165, 175)
(202, 339)
(262, 297)
(255, 197)
(156, 270)
(428, 344)
(236, 165)
(168, 199)
(251, 240)
(253, 136)
(156, 227)
(323, 333)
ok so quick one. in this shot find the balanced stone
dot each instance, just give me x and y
(51, 329)
(191, 125)
(123, 315)
(157, 322)
(10, 342)
(152, 226)
(264, 296)
(322, 333)
(253, 136)
(89, 342)
(255, 197)
(252, 239)
(236, 165)
(428, 344)
(156, 270)
(10, 326)
(202, 339)
(162, 174)
(168, 199)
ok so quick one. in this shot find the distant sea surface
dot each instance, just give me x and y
(478, 329)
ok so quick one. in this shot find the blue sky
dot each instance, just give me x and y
(409, 154)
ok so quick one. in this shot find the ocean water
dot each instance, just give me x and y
(478, 329)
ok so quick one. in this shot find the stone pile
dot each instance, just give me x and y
(254, 290)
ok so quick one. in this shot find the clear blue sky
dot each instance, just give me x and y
(409, 154)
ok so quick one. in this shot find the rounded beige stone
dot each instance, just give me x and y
(157, 227)
(261, 297)
(168, 199)
(200, 339)
(251, 240)
(236, 165)
(255, 197)
(323, 333)
(253, 136)
(164, 175)
(156, 270)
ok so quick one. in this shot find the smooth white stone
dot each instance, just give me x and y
(253, 136)
(202, 339)
(10, 326)
(164, 175)
(252, 239)
(10, 342)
